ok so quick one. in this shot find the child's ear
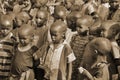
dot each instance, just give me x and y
(63, 36)
(32, 36)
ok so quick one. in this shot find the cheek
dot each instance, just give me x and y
(105, 33)
(28, 40)
(39, 21)
(7, 31)
(19, 22)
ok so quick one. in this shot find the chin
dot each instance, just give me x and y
(39, 25)
(55, 42)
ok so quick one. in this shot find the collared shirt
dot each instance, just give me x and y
(54, 58)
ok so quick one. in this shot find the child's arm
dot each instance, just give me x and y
(71, 57)
(101, 73)
(116, 55)
(69, 71)
(85, 73)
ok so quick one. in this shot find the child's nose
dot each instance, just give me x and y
(53, 37)
(22, 41)
(86, 28)
(2, 31)
(39, 20)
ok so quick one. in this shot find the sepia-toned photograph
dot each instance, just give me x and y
(59, 39)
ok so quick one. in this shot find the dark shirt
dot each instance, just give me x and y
(23, 61)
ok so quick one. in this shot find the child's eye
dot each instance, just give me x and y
(80, 27)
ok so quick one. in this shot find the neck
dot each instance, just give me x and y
(57, 44)
(5, 37)
(24, 48)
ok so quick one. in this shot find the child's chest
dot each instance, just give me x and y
(53, 57)
(80, 42)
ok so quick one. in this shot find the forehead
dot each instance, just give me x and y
(24, 36)
(57, 30)
(83, 22)
(54, 29)
(106, 25)
(6, 25)
(115, 0)
(42, 14)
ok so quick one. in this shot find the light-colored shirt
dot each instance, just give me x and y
(53, 59)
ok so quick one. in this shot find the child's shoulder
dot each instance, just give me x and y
(9, 37)
(116, 16)
(29, 49)
(74, 36)
(78, 38)
(67, 48)
(69, 53)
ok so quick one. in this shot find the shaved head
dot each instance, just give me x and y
(85, 20)
(6, 21)
(59, 26)
(26, 30)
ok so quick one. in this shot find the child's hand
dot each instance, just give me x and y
(35, 56)
(86, 73)
(46, 69)
(81, 69)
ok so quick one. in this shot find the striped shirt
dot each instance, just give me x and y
(6, 52)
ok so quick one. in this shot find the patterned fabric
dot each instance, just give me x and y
(6, 52)
(78, 44)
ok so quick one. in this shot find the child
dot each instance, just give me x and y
(41, 32)
(41, 27)
(60, 12)
(23, 59)
(71, 19)
(103, 10)
(59, 54)
(6, 46)
(114, 9)
(79, 42)
(71, 22)
(94, 64)
(110, 30)
(22, 18)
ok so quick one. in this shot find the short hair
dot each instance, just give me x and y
(6, 21)
(23, 16)
(59, 12)
(60, 25)
(43, 12)
(113, 31)
(86, 20)
(26, 29)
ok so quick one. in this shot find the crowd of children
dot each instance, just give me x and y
(59, 39)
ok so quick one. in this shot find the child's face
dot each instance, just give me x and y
(19, 22)
(41, 19)
(118, 39)
(69, 3)
(104, 33)
(60, 12)
(25, 39)
(4, 31)
(82, 29)
(56, 36)
(39, 3)
(115, 4)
